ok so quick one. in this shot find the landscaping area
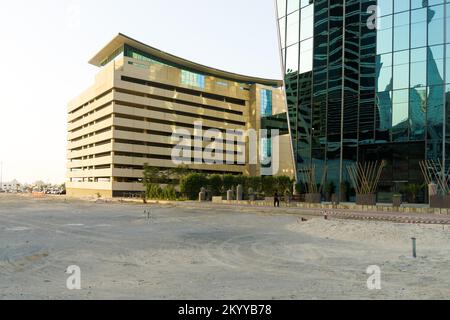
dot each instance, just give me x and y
(180, 184)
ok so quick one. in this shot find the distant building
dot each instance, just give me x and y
(12, 186)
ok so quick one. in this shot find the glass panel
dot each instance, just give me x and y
(306, 56)
(384, 35)
(281, 6)
(436, 65)
(401, 70)
(292, 59)
(436, 25)
(293, 5)
(419, 28)
(418, 68)
(192, 79)
(400, 107)
(384, 72)
(401, 31)
(385, 7)
(293, 26)
(307, 23)
(266, 103)
(400, 115)
(401, 5)
(418, 108)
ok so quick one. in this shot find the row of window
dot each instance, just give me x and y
(386, 7)
(414, 29)
(187, 77)
(413, 69)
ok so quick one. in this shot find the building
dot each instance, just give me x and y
(367, 83)
(10, 187)
(142, 96)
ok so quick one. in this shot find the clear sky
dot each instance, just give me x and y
(46, 45)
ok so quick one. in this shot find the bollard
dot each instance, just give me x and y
(414, 241)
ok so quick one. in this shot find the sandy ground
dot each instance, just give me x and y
(191, 253)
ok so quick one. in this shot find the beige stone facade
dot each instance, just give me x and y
(140, 97)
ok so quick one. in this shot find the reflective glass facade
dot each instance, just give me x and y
(360, 93)
(266, 103)
(192, 79)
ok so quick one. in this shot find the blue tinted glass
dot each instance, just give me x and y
(401, 31)
(436, 25)
(266, 103)
(419, 28)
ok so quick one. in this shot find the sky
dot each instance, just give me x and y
(47, 45)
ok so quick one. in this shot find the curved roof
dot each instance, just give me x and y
(122, 39)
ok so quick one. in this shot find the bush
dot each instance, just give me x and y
(154, 191)
(215, 184)
(191, 185)
(283, 184)
(269, 186)
(228, 182)
(329, 187)
(255, 183)
(300, 188)
(169, 193)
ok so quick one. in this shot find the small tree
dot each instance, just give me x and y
(178, 173)
(412, 191)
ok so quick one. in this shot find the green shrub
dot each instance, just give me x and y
(329, 187)
(300, 188)
(228, 182)
(255, 183)
(191, 185)
(154, 191)
(169, 193)
(269, 186)
(283, 184)
(215, 183)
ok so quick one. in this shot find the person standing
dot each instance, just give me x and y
(276, 200)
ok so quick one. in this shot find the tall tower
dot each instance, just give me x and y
(366, 80)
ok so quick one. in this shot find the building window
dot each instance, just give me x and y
(192, 79)
(266, 103)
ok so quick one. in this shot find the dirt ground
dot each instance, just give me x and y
(194, 253)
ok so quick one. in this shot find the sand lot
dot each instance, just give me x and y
(192, 253)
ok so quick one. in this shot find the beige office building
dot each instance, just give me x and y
(142, 96)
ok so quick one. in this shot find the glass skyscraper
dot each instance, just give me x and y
(367, 80)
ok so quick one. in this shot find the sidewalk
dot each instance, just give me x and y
(388, 216)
